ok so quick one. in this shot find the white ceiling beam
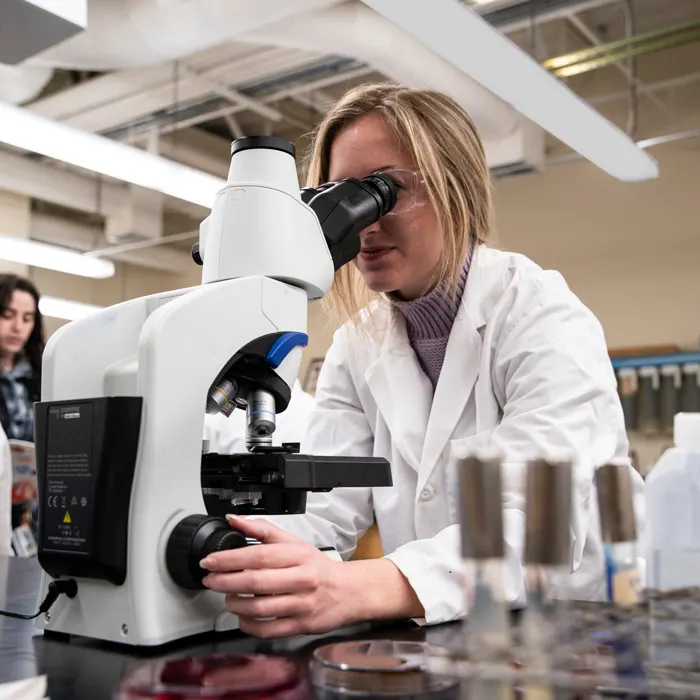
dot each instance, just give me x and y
(85, 238)
(323, 97)
(308, 102)
(230, 94)
(282, 94)
(234, 127)
(57, 185)
(124, 98)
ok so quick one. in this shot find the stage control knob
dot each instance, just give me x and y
(192, 539)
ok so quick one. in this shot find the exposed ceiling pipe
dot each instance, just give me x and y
(21, 84)
(84, 238)
(138, 33)
(641, 89)
(586, 60)
(352, 29)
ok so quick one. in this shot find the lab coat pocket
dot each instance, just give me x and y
(461, 448)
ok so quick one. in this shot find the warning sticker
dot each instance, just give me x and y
(69, 479)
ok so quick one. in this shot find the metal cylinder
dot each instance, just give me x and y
(481, 506)
(648, 422)
(690, 390)
(628, 388)
(260, 418)
(548, 512)
(616, 503)
(219, 395)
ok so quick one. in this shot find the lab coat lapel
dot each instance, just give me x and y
(402, 391)
(460, 370)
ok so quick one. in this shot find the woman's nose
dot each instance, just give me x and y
(371, 229)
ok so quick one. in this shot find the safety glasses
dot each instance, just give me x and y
(409, 185)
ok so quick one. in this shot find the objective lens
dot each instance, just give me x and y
(261, 417)
(220, 395)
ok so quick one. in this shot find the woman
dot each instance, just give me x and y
(21, 347)
(467, 345)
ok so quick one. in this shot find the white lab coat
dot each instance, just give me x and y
(227, 435)
(526, 370)
(6, 478)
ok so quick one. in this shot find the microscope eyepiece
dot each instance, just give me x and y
(385, 188)
(347, 207)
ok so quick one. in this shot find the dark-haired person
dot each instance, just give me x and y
(21, 347)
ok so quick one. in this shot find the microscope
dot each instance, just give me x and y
(130, 499)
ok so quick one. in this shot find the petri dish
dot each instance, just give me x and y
(215, 677)
(379, 668)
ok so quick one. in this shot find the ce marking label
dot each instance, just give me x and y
(52, 501)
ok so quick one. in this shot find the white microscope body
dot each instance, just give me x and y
(130, 385)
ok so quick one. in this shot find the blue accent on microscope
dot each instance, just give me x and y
(283, 346)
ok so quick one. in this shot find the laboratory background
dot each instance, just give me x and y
(599, 181)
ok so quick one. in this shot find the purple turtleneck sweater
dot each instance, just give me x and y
(429, 321)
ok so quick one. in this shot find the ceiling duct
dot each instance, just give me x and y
(134, 33)
(354, 30)
(138, 33)
(21, 84)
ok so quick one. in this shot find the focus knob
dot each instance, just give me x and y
(196, 255)
(192, 539)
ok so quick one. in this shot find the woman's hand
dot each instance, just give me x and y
(285, 586)
(284, 578)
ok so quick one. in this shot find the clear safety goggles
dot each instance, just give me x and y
(409, 186)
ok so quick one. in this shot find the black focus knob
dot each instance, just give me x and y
(192, 539)
(195, 254)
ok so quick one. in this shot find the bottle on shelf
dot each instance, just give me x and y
(673, 536)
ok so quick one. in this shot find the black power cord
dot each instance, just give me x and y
(67, 586)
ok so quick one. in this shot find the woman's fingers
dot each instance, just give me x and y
(272, 629)
(256, 556)
(273, 606)
(262, 530)
(262, 581)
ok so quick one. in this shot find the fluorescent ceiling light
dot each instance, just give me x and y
(65, 309)
(24, 129)
(462, 37)
(52, 257)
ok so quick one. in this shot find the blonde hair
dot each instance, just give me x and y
(447, 150)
